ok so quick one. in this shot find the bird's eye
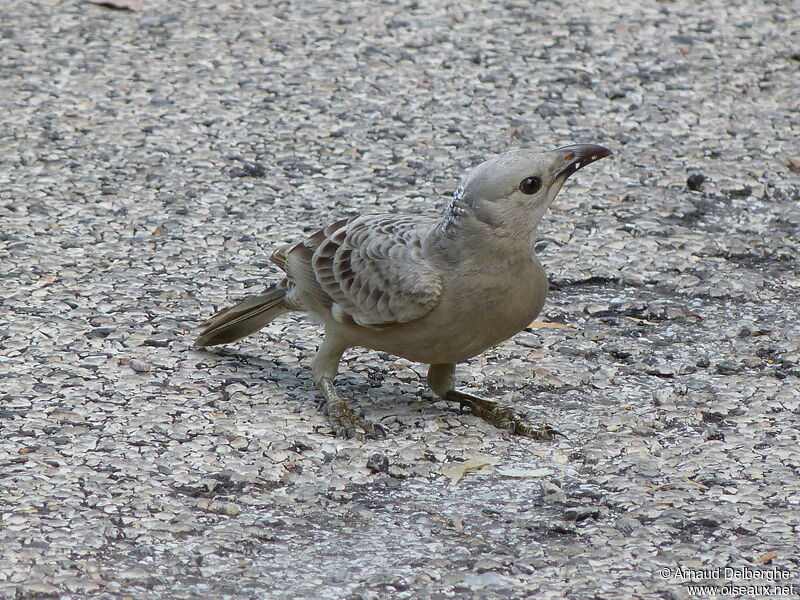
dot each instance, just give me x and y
(530, 185)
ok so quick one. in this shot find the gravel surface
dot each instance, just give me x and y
(150, 161)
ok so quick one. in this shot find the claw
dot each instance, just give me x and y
(347, 424)
(378, 431)
(502, 417)
(541, 432)
(344, 422)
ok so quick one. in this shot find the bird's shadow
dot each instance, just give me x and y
(405, 400)
(252, 368)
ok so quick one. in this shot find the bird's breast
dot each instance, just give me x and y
(478, 310)
(503, 302)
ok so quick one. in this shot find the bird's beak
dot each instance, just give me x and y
(578, 156)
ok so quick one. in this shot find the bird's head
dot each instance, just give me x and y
(521, 184)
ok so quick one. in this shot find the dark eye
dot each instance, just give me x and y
(530, 185)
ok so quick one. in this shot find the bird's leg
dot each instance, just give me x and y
(345, 423)
(441, 378)
(503, 417)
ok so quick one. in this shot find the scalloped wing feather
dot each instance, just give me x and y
(371, 269)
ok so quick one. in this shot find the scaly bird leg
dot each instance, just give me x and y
(345, 423)
(441, 378)
(502, 417)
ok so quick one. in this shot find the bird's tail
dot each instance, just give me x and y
(243, 319)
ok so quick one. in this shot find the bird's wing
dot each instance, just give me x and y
(368, 270)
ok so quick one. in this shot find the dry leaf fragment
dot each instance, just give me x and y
(547, 325)
(456, 472)
(767, 558)
(672, 484)
(524, 473)
(133, 5)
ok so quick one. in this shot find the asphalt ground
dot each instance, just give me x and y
(149, 163)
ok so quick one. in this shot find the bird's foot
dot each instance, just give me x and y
(346, 423)
(502, 417)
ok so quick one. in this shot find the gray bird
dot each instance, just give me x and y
(432, 290)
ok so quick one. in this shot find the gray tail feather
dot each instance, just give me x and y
(243, 319)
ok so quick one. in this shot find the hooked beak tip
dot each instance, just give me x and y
(579, 155)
